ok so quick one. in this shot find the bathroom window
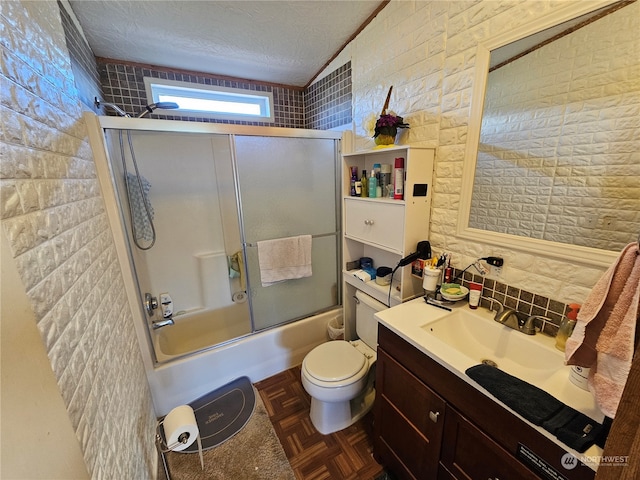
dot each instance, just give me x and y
(196, 100)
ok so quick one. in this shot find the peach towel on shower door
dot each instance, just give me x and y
(284, 259)
(604, 337)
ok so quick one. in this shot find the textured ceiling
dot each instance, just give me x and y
(286, 42)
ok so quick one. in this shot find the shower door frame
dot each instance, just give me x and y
(96, 126)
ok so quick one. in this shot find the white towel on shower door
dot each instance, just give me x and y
(284, 259)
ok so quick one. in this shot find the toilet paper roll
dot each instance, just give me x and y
(180, 428)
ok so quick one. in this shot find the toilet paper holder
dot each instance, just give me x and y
(182, 422)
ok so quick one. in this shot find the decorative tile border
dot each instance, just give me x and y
(524, 302)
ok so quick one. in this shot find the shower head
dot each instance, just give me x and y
(120, 112)
(162, 105)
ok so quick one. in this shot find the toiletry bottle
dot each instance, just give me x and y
(566, 326)
(377, 169)
(385, 179)
(475, 291)
(364, 189)
(354, 179)
(398, 179)
(373, 185)
(448, 271)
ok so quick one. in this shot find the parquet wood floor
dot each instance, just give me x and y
(344, 455)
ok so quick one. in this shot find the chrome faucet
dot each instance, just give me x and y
(162, 323)
(508, 317)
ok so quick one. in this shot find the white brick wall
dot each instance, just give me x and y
(426, 50)
(54, 218)
(559, 135)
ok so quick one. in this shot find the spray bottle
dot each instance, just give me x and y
(566, 326)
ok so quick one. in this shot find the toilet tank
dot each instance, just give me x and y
(366, 324)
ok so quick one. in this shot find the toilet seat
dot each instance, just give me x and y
(334, 362)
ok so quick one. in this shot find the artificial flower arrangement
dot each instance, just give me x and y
(387, 125)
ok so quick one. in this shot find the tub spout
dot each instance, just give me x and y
(162, 323)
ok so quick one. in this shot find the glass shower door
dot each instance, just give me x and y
(288, 187)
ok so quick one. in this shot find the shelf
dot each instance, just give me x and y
(372, 244)
(374, 200)
(371, 288)
(381, 150)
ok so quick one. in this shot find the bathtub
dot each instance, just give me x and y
(201, 329)
(256, 356)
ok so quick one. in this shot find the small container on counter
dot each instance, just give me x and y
(567, 325)
(475, 291)
(431, 278)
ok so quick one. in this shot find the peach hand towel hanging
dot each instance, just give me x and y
(604, 337)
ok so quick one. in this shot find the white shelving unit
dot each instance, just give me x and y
(385, 229)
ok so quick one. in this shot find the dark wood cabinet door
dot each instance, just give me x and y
(467, 453)
(409, 421)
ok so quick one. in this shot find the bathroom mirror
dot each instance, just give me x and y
(551, 165)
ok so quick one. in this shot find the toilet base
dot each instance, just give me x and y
(330, 417)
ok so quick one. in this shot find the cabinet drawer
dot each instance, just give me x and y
(469, 453)
(376, 223)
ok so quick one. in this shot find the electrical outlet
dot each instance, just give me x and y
(496, 272)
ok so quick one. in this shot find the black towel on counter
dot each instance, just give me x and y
(560, 419)
(571, 427)
(532, 403)
(580, 433)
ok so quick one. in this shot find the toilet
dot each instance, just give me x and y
(339, 375)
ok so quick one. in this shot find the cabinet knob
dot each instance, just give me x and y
(434, 416)
(368, 222)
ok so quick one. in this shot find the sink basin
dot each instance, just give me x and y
(481, 339)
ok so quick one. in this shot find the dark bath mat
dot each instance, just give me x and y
(223, 413)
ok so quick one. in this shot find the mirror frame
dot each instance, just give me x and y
(560, 251)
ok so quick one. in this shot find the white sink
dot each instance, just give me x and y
(477, 336)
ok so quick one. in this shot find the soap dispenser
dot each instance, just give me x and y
(566, 326)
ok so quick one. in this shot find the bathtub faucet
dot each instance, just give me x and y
(162, 323)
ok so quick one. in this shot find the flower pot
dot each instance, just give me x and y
(386, 136)
(385, 139)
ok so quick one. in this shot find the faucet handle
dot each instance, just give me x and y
(529, 325)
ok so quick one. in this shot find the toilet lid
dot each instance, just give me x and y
(334, 361)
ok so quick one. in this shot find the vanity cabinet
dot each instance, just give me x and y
(431, 424)
(467, 452)
(385, 229)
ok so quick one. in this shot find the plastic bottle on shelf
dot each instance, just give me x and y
(354, 180)
(398, 179)
(376, 170)
(385, 179)
(373, 185)
(364, 189)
